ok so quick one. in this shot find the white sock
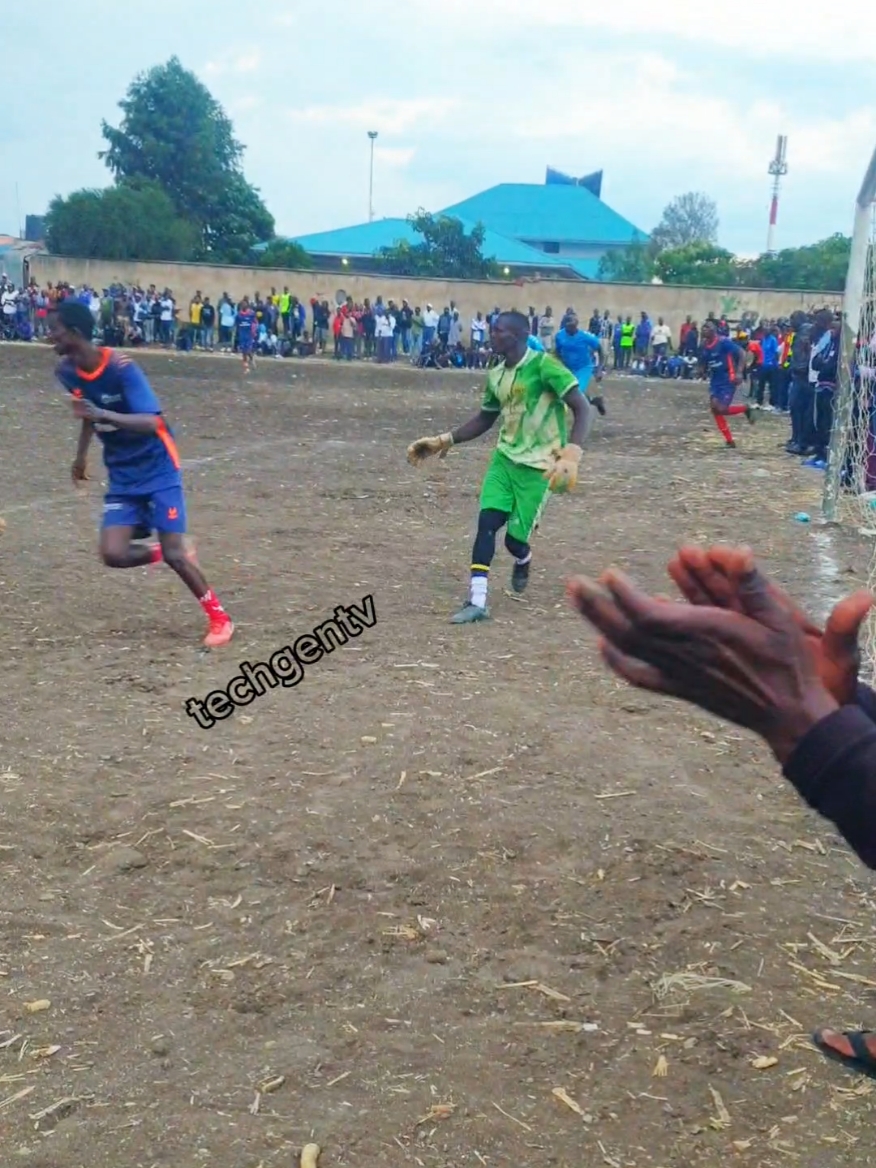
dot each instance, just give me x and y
(478, 594)
(525, 559)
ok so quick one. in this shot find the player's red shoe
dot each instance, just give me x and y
(220, 633)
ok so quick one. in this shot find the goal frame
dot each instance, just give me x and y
(853, 296)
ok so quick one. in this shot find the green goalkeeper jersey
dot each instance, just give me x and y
(529, 398)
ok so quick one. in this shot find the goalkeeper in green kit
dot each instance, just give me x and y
(534, 456)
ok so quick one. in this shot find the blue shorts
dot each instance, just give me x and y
(162, 511)
(584, 378)
(723, 394)
(246, 344)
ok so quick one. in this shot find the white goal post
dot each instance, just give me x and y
(851, 467)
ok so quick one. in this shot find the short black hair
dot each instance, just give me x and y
(76, 317)
(518, 322)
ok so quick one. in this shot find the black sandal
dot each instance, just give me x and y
(863, 1062)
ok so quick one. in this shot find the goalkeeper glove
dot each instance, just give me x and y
(423, 448)
(563, 475)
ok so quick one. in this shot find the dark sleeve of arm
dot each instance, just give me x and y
(834, 770)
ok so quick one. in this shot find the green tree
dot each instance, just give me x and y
(176, 134)
(817, 267)
(446, 251)
(701, 264)
(239, 221)
(284, 253)
(131, 221)
(633, 264)
(689, 218)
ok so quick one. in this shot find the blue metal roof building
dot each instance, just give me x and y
(367, 238)
(358, 245)
(566, 221)
(553, 229)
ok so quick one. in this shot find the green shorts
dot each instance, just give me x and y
(520, 491)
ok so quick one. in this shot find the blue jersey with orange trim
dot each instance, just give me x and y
(721, 358)
(247, 326)
(137, 464)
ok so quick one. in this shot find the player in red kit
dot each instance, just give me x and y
(113, 400)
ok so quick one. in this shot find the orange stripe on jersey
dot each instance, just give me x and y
(105, 355)
(169, 444)
(731, 368)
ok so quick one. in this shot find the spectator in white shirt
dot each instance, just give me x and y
(430, 326)
(167, 307)
(384, 332)
(546, 329)
(9, 300)
(660, 337)
(227, 317)
(478, 330)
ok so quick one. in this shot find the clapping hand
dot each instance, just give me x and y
(711, 576)
(755, 666)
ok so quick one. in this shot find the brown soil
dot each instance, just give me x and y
(393, 891)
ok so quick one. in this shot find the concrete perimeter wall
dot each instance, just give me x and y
(674, 303)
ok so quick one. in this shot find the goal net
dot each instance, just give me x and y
(850, 480)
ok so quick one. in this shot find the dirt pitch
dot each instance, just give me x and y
(404, 907)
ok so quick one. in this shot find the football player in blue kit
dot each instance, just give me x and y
(247, 327)
(577, 350)
(113, 399)
(724, 362)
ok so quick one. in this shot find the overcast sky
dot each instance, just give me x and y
(664, 97)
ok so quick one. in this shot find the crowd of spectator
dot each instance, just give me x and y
(382, 331)
(791, 365)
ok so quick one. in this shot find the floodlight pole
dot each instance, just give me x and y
(372, 134)
(778, 168)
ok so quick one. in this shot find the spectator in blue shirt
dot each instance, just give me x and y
(616, 335)
(579, 351)
(642, 342)
(769, 371)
